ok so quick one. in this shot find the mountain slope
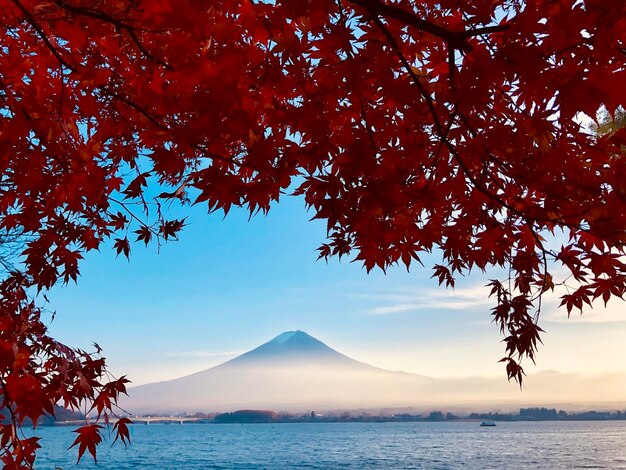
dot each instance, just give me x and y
(292, 371)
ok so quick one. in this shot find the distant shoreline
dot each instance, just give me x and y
(270, 417)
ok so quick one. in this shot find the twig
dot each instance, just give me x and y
(42, 35)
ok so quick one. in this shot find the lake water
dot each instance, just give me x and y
(452, 445)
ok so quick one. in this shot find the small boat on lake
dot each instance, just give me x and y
(488, 423)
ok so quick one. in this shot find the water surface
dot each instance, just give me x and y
(448, 445)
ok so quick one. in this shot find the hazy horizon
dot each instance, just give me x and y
(294, 371)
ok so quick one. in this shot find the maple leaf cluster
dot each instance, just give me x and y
(37, 373)
(454, 127)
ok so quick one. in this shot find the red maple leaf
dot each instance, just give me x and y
(88, 438)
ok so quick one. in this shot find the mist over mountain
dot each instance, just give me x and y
(295, 371)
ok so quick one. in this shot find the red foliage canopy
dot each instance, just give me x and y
(409, 126)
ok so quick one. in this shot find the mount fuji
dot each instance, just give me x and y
(292, 371)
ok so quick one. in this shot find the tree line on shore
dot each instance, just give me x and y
(267, 416)
(524, 414)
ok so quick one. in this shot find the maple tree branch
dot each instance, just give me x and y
(505, 169)
(135, 106)
(97, 14)
(154, 121)
(544, 256)
(12, 241)
(405, 63)
(215, 156)
(376, 7)
(456, 40)
(133, 216)
(486, 30)
(430, 103)
(16, 438)
(5, 264)
(525, 112)
(443, 135)
(350, 55)
(37, 27)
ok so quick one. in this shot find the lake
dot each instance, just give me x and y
(448, 445)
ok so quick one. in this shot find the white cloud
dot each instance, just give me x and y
(397, 308)
(432, 299)
(614, 312)
(472, 297)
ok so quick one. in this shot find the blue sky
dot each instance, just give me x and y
(231, 284)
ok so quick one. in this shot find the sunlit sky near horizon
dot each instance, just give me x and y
(231, 284)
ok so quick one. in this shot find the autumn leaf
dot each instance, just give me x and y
(120, 428)
(144, 233)
(88, 438)
(122, 245)
(170, 228)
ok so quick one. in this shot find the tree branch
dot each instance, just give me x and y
(485, 30)
(456, 40)
(99, 15)
(42, 35)
(135, 106)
